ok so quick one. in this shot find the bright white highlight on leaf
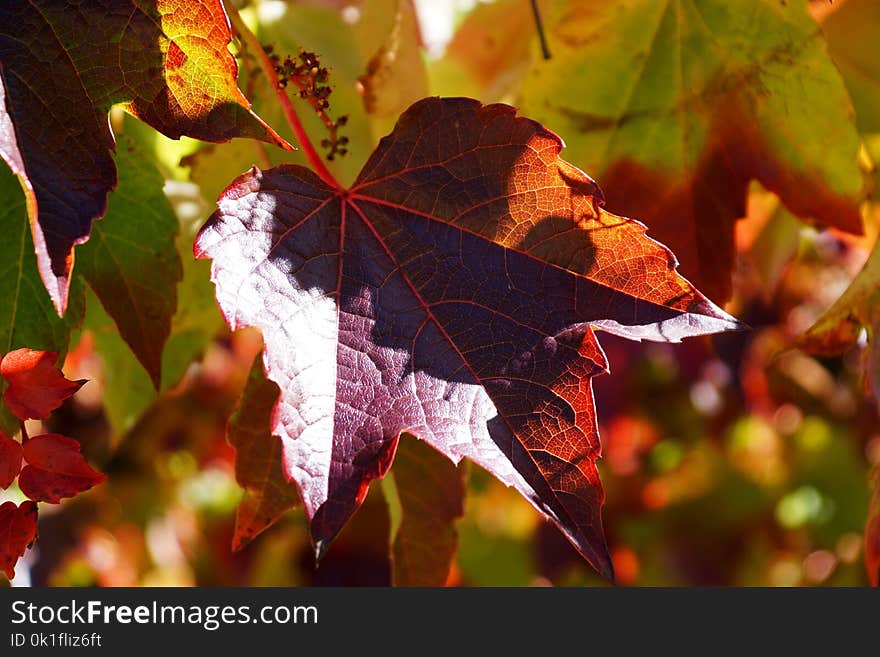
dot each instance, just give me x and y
(304, 413)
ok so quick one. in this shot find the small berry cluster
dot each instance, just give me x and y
(307, 75)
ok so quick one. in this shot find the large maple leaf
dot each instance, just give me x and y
(450, 293)
(64, 64)
(675, 106)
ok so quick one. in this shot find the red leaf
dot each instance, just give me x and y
(18, 531)
(36, 386)
(66, 63)
(55, 469)
(10, 460)
(268, 493)
(451, 293)
(431, 494)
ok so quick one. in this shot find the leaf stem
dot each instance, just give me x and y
(24, 433)
(545, 49)
(256, 49)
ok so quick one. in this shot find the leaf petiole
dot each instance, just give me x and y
(256, 49)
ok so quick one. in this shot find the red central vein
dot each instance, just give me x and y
(412, 287)
(256, 49)
(350, 200)
(338, 292)
(408, 168)
(531, 256)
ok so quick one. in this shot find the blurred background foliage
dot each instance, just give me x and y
(735, 460)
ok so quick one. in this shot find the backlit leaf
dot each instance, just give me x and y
(55, 469)
(431, 493)
(10, 460)
(27, 318)
(675, 106)
(131, 262)
(36, 386)
(63, 64)
(395, 75)
(258, 466)
(839, 327)
(451, 293)
(18, 530)
(852, 30)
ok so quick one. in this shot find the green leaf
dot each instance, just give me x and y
(197, 320)
(131, 262)
(395, 75)
(430, 489)
(489, 53)
(27, 316)
(128, 390)
(675, 106)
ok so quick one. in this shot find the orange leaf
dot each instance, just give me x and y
(18, 530)
(36, 386)
(55, 469)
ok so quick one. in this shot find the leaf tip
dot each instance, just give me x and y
(321, 546)
(155, 373)
(273, 137)
(605, 567)
(720, 321)
(240, 542)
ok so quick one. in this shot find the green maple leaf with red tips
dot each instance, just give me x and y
(675, 106)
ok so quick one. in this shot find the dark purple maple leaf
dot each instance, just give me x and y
(451, 293)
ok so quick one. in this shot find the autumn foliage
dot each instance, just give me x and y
(299, 248)
(50, 466)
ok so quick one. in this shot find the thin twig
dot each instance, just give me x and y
(24, 433)
(545, 49)
(255, 48)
